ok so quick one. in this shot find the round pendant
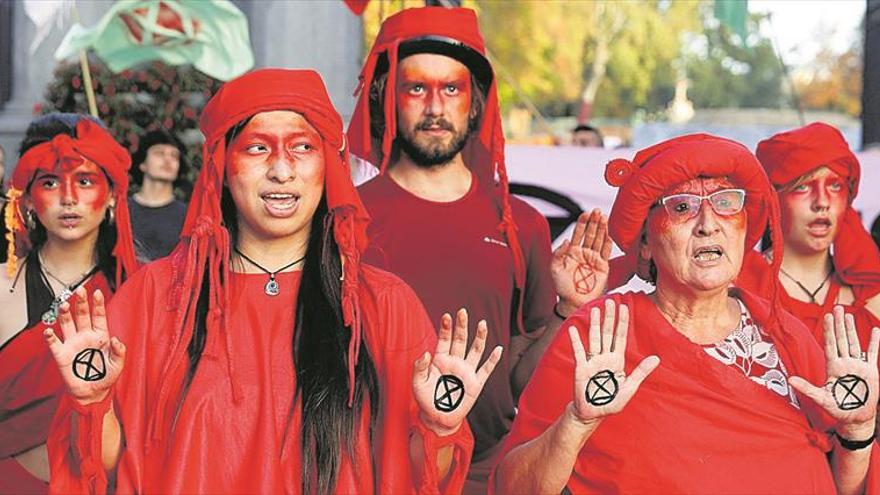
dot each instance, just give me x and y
(272, 288)
(49, 317)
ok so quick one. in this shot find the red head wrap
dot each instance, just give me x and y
(792, 154)
(655, 169)
(205, 241)
(453, 32)
(94, 143)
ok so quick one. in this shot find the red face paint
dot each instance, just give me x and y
(812, 210)
(433, 94)
(703, 252)
(70, 203)
(275, 173)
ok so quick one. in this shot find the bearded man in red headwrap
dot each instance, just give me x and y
(697, 387)
(261, 356)
(828, 257)
(442, 218)
(67, 226)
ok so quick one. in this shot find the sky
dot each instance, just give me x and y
(803, 27)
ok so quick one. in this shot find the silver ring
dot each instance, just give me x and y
(864, 356)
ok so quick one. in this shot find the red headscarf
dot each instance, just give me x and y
(792, 154)
(655, 169)
(204, 239)
(93, 143)
(453, 32)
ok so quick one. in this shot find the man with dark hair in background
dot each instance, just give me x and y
(587, 136)
(156, 215)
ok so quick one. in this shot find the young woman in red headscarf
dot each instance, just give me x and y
(697, 387)
(828, 256)
(262, 356)
(67, 227)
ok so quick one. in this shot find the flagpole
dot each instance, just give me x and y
(86, 72)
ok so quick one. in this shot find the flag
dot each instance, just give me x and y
(733, 14)
(357, 6)
(44, 14)
(212, 35)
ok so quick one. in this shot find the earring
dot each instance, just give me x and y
(30, 220)
(111, 215)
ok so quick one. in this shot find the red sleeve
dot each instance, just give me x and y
(551, 387)
(540, 291)
(75, 457)
(404, 333)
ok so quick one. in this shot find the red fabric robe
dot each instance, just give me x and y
(30, 389)
(752, 277)
(218, 445)
(695, 425)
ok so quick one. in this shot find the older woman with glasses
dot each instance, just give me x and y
(698, 386)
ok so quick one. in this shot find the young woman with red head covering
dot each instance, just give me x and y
(262, 356)
(695, 387)
(828, 256)
(67, 226)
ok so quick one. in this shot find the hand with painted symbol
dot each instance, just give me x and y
(601, 387)
(89, 359)
(850, 392)
(580, 266)
(447, 384)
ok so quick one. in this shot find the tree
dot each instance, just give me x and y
(725, 73)
(834, 82)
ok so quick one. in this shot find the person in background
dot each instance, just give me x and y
(587, 136)
(156, 215)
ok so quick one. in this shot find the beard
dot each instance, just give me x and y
(432, 152)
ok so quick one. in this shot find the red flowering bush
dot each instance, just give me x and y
(137, 101)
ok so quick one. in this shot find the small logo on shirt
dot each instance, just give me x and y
(494, 241)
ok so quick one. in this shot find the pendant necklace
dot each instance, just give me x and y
(808, 292)
(272, 288)
(51, 315)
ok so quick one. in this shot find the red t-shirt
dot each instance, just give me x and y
(453, 255)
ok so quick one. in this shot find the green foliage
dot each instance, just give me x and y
(548, 48)
(724, 73)
(137, 101)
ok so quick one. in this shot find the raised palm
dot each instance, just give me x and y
(447, 386)
(850, 392)
(580, 266)
(601, 387)
(89, 360)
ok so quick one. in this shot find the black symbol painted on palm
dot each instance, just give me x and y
(89, 365)
(602, 388)
(448, 393)
(850, 392)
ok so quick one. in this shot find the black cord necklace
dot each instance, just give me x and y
(272, 288)
(51, 315)
(808, 292)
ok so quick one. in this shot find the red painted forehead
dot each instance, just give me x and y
(68, 169)
(701, 186)
(434, 66)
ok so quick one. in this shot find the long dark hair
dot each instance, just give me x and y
(320, 353)
(43, 130)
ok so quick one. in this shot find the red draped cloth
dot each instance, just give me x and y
(753, 275)
(30, 389)
(695, 425)
(217, 444)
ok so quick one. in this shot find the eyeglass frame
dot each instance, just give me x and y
(662, 202)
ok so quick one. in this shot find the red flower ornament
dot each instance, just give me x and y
(618, 171)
